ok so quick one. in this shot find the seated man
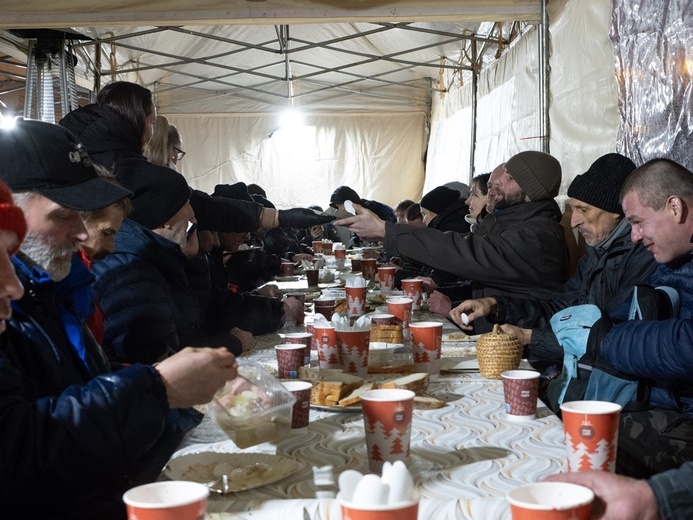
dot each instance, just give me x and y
(71, 427)
(518, 250)
(605, 276)
(150, 304)
(657, 200)
(227, 308)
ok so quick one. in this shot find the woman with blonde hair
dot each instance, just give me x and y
(165, 146)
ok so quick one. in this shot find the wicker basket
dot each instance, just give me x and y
(497, 352)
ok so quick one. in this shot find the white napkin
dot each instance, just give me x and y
(356, 281)
(320, 321)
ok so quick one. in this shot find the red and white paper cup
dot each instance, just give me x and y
(591, 434)
(387, 420)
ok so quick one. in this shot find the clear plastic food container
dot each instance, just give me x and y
(253, 408)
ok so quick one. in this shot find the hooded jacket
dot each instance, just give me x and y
(151, 308)
(112, 144)
(71, 428)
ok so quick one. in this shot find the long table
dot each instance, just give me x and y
(464, 457)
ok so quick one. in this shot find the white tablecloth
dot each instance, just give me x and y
(464, 457)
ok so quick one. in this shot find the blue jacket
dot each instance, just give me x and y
(70, 427)
(661, 351)
(150, 308)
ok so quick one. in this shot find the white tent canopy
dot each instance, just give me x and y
(385, 87)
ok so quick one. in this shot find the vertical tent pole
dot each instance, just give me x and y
(544, 75)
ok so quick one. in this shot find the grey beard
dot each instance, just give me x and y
(55, 261)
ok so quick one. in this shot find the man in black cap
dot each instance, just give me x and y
(71, 427)
(518, 250)
(607, 271)
(145, 288)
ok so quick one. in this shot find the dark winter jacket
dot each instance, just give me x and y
(451, 219)
(518, 251)
(227, 308)
(111, 143)
(70, 427)
(604, 277)
(151, 308)
(659, 351)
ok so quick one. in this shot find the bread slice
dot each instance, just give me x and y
(386, 334)
(427, 402)
(355, 396)
(329, 385)
(417, 382)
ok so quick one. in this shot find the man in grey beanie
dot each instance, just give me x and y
(610, 267)
(519, 250)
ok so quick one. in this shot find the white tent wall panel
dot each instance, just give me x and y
(584, 106)
(379, 155)
(583, 112)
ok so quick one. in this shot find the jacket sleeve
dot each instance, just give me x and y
(139, 324)
(514, 260)
(102, 434)
(659, 350)
(254, 313)
(674, 492)
(224, 214)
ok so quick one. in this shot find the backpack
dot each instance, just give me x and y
(579, 330)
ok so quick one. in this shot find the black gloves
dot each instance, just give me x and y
(301, 218)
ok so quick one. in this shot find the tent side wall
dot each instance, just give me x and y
(583, 111)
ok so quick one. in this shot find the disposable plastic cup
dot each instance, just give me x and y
(290, 356)
(327, 346)
(386, 277)
(356, 301)
(387, 419)
(304, 338)
(353, 351)
(300, 413)
(591, 434)
(550, 501)
(427, 338)
(520, 389)
(400, 511)
(413, 288)
(170, 500)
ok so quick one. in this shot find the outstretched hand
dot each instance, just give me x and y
(365, 224)
(301, 218)
(616, 497)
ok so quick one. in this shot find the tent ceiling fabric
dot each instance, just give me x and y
(241, 68)
(62, 13)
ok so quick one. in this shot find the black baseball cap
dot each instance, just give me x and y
(48, 159)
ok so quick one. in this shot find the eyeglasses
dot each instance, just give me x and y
(180, 153)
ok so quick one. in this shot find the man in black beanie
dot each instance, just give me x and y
(607, 271)
(519, 250)
(145, 288)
